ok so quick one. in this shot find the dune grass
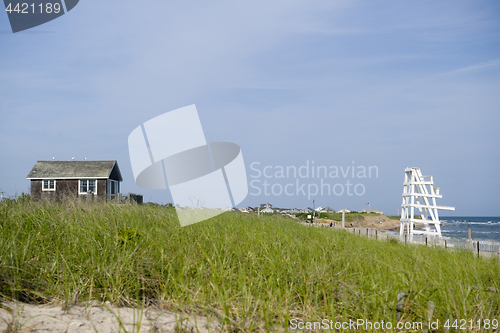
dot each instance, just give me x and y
(252, 273)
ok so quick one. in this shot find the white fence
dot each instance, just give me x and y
(476, 245)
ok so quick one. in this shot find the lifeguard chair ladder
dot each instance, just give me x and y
(419, 192)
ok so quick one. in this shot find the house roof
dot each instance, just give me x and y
(75, 170)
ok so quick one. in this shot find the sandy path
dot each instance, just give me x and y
(20, 317)
(381, 222)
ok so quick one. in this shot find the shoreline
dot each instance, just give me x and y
(391, 225)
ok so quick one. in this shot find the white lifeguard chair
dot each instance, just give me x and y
(419, 192)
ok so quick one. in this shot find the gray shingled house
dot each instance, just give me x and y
(73, 179)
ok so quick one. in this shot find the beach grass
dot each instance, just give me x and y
(251, 273)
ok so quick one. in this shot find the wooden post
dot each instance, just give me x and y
(400, 305)
(376, 234)
(478, 249)
(343, 218)
(431, 306)
(470, 242)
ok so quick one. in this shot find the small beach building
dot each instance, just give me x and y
(73, 179)
(327, 210)
(246, 209)
(268, 210)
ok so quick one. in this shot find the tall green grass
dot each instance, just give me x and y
(252, 273)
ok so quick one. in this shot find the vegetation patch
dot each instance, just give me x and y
(252, 273)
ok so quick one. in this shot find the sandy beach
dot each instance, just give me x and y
(381, 222)
(94, 317)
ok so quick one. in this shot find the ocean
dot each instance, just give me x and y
(487, 228)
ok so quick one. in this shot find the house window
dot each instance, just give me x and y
(113, 187)
(49, 185)
(88, 185)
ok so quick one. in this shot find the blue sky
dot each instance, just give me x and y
(386, 84)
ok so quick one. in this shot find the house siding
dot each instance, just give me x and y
(65, 189)
(36, 189)
(101, 188)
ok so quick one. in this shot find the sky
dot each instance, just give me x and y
(340, 84)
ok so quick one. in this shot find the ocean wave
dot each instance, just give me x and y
(471, 222)
(466, 231)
